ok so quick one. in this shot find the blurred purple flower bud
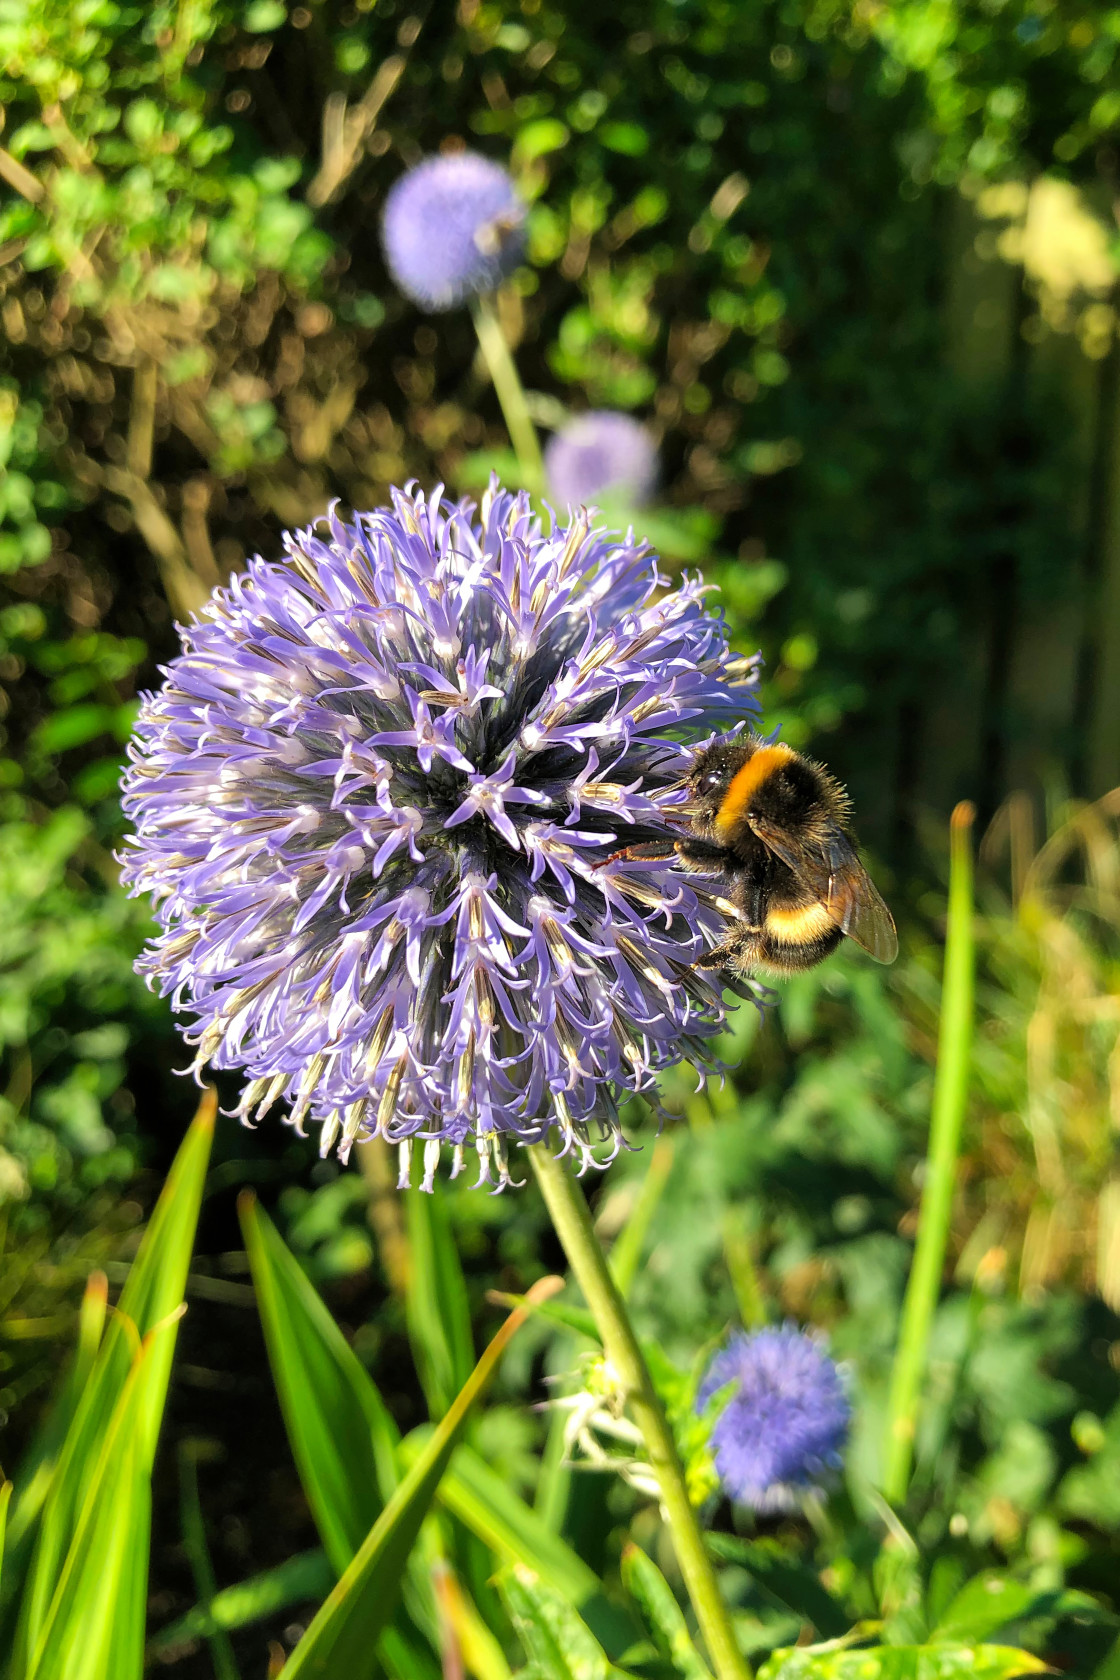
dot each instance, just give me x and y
(372, 803)
(786, 1421)
(452, 227)
(599, 452)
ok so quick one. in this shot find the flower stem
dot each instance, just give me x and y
(510, 392)
(950, 1094)
(572, 1222)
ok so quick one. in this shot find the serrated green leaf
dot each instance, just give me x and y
(342, 1639)
(940, 1661)
(645, 1583)
(558, 1643)
(342, 1435)
(436, 1306)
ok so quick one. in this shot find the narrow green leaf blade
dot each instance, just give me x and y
(437, 1308)
(36, 1468)
(512, 1530)
(306, 1578)
(342, 1638)
(93, 1626)
(5, 1497)
(152, 1296)
(342, 1435)
(645, 1582)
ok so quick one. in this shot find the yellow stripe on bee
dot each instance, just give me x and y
(745, 784)
(800, 926)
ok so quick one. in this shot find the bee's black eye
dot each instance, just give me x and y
(712, 781)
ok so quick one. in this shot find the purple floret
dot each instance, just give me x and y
(597, 452)
(782, 1429)
(452, 227)
(372, 801)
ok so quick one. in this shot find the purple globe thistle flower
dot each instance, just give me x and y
(452, 227)
(373, 800)
(784, 1424)
(597, 452)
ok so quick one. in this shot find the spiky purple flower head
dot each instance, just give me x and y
(601, 451)
(786, 1420)
(452, 227)
(372, 803)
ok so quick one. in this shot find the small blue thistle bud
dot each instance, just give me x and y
(601, 452)
(452, 227)
(785, 1421)
(373, 801)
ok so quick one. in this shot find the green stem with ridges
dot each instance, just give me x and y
(950, 1096)
(572, 1223)
(510, 393)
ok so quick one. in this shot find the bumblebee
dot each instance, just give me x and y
(773, 826)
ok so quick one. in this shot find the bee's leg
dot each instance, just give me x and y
(652, 851)
(720, 956)
(737, 955)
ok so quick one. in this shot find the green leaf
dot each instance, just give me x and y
(92, 1628)
(626, 137)
(567, 1318)
(304, 1579)
(488, 1506)
(438, 1312)
(791, 1584)
(626, 1251)
(342, 1436)
(33, 1479)
(943, 1661)
(538, 138)
(343, 1637)
(558, 1643)
(645, 1582)
(263, 15)
(5, 1496)
(985, 1604)
(151, 1300)
(72, 727)
(1109, 1669)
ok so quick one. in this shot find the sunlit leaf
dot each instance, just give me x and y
(342, 1436)
(151, 1301)
(342, 1638)
(558, 1643)
(903, 1662)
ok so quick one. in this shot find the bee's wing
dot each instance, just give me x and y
(846, 890)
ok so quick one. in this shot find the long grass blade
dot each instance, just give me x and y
(342, 1435)
(950, 1095)
(152, 1299)
(342, 1638)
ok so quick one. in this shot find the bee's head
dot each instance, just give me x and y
(712, 773)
